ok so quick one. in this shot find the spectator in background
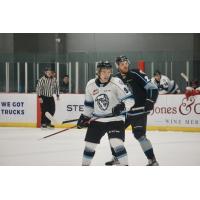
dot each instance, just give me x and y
(164, 84)
(64, 88)
(195, 84)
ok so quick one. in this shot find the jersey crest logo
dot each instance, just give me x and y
(102, 101)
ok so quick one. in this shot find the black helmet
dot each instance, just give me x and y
(104, 64)
(120, 59)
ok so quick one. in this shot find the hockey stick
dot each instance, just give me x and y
(108, 115)
(122, 113)
(71, 120)
(53, 121)
(140, 113)
(138, 108)
(185, 78)
(50, 117)
(66, 129)
(59, 132)
(97, 117)
(137, 113)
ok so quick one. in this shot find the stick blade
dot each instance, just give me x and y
(185, 77)
(50, 117)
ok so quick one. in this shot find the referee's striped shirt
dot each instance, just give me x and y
(47, 87)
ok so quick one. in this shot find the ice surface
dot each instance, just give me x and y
(22, 146)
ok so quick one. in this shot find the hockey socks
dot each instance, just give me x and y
(88, 153)
(120, 151)
(146, 147)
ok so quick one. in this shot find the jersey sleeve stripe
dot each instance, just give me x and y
(127, 97)
(140, 77)
(89, 104)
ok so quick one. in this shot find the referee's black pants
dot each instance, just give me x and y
(48, 105)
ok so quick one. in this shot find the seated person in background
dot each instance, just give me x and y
(164, 84)
(195, 84)
(64, 88)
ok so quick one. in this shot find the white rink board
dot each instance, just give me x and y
(69, 106)
(18, 108)
(176, 110)
(170, 111)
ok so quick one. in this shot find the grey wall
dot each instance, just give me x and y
(6, 43)
(36, 43)
(97, 42)
(47, 43)
(25, 43)
(101, 42)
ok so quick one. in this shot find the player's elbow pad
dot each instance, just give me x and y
(152, 91)
(153, 95)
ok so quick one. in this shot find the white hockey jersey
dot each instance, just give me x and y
(166, 86)
(101, 98)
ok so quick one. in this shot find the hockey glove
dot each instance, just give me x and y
(149, 104)
(118, 109)
(83, 121)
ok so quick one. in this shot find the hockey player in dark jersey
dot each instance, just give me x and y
(145, 94)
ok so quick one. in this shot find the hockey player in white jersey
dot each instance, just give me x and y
(164, 84)
(106, 99)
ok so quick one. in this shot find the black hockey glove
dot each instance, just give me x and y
(118, 109)
(149, 104)
(83, 121)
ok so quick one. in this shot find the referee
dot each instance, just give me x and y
(46, 87)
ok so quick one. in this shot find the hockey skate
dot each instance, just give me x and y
(152, 162)
(114, 161)
(43, 126)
